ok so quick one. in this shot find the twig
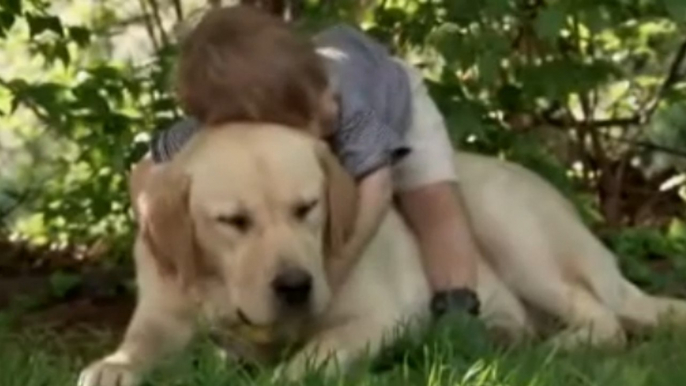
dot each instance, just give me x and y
(178, 9)
(649, 145)
(30, 104)
(641, 118)
(603, 123)
(120, 25)
(594, 124)
(148, 25)
(671, 79)
(158, 21)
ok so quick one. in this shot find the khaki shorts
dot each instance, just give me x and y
(431, 159)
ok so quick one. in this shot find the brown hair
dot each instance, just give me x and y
(242, 64)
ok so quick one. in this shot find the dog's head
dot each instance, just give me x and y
(251, 214)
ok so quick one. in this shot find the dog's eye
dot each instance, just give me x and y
(303, 209)
(240, 221)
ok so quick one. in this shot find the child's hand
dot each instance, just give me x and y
(375, 193)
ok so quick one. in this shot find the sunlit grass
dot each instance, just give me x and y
(446, 356)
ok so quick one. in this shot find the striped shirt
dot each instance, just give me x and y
(374, 99)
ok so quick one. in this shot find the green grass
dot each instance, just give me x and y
(447, 356)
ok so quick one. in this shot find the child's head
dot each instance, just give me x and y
(241, 64)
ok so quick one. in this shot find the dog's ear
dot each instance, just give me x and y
(341, 202)
(166, 224)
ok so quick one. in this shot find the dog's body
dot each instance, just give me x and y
(540, 256)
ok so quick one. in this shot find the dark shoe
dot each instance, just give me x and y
(458, 300)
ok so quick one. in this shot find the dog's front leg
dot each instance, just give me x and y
(157, 328)
(333, 350)
(163, 323)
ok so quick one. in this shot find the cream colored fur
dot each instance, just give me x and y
(538, 253)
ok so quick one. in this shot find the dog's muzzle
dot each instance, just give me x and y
(292, 288)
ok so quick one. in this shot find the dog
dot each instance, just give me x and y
(236, 234)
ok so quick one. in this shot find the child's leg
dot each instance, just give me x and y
(425, 182)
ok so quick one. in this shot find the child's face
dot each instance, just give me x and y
(329, 112)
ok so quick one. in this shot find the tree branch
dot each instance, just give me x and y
(149, 26)
(158, 21)
(178, 9)
(31, 105)
(604, 123)
(673, 76)
(593, 124)
(650, 146)
(641, 118)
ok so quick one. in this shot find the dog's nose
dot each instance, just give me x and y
(293, 286)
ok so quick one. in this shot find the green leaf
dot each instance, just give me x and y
(497, 7)
(6, 20)
(596, 19)
(14, 105)
(13, 6)
(463, 12)
(40, 24)
(165, 104)
(61, 283)
(46, 95)
(550, 22)
(489, 67)
(677, 230)
(80, 35)
(61, 52)
(450, 42)
(676, 9)
(510, 97)
(464, 120)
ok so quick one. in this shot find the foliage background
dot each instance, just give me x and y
(589, 94)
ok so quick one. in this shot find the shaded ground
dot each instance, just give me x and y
(43, 288)
(51, 289)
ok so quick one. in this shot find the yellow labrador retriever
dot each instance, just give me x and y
(237, 231)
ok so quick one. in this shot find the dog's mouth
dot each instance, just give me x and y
(287, 329)
(285, 320)
(256, 334)
(243, 318)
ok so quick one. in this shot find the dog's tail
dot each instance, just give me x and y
(640, 311)
(636, 309)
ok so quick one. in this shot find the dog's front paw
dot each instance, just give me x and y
(109, 372)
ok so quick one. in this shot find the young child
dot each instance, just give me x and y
(239, 64)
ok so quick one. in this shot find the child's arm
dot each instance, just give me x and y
(140, 173)
(163, 146)
(368, 149)
(375, 193)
